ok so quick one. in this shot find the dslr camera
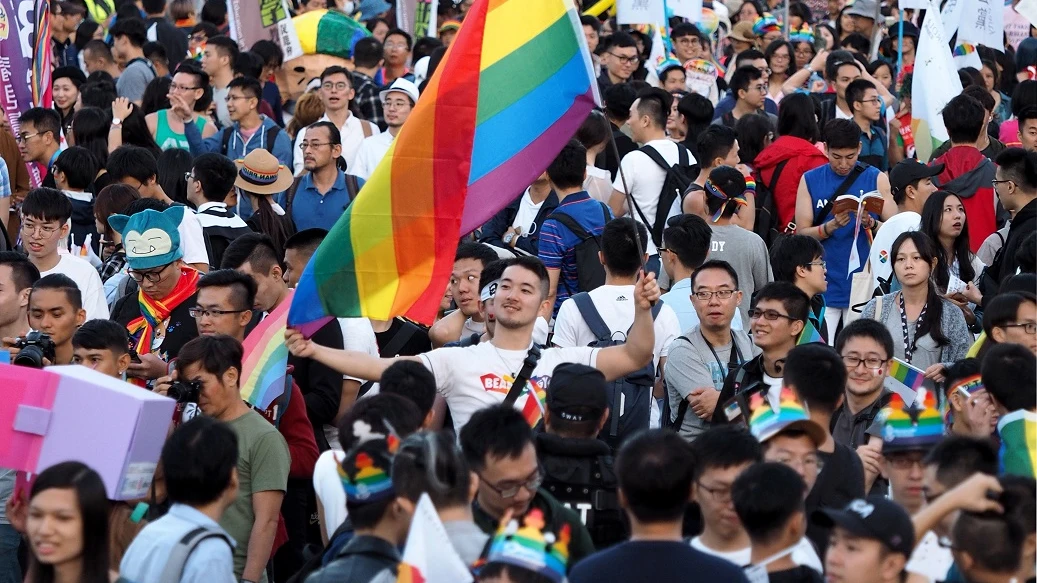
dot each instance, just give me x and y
(33, 348)
(184, 392)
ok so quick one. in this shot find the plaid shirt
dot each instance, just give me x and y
(368, 102)
(5, 180)
(115, 263)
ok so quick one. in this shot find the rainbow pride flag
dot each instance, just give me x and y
(904, 379)
(41, 50)
(809, 335)
(1018, 433)
(513, 88)
(536, 403)
(265, 362)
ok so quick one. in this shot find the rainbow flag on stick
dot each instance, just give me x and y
(904, 379)
(513, 88)
(265, 363)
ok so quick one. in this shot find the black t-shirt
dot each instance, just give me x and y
(655, 561)
(416, 343)
(841, 480)
(321, 386)
(800, 574)
(180, 330)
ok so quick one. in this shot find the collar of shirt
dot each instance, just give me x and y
(682, 284)
(308, 184)
(208, 205)
(575, 197)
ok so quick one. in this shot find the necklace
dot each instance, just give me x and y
(500, 356)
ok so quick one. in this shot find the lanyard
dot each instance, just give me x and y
(757, 573)
(910, 345)
(735, 356)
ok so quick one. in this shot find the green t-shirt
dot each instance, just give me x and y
(263, 463)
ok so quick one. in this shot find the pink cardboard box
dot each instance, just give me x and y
(72, 413)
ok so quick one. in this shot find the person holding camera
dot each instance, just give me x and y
(55, 313)
(102, 345)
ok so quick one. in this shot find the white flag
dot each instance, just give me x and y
(982, 23)
(934, 83)
(429, 550)
(640, 11)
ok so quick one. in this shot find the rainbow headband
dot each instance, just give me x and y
(970, 385)
(739, 199)
(366, 470)
(253, 176)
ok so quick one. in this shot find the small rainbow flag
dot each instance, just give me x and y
(515, 85)
(809, 335)
(964, 49)
(265, 363)
(1018, 432)
(904, 379)
(536, 403)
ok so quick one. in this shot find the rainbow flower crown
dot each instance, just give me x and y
(529, 547)
(911, 427)
(366, 471)
(765, 422)
(766, 23)
(805, 34)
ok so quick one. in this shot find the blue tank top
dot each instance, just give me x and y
(821, 183)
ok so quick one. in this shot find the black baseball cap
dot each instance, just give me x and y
(875, 518)
(577, 393)
(908, 171)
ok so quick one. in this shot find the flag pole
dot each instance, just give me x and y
(626, 189)
(900, 43)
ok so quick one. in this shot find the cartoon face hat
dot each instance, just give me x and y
(766, 422)
(149, 237)
(366, 471)
(910, 428)
(529, 547)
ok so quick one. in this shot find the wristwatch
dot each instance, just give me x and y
(116, 122)
(508, 238)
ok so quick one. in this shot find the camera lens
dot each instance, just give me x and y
(30, 356)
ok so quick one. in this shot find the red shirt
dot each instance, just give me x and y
(802, 156)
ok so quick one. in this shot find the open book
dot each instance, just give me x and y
(871, 202)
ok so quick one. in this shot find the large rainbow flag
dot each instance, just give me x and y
(513, 88)
(264, 366)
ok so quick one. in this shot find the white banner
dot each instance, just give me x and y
(934, 83)
(951, 16)
(690, 9)
(640, 11)
(982, 23)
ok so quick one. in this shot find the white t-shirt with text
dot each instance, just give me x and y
(88, 281)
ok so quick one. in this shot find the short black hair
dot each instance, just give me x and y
(47, 204)
(684, 29)
(842, 134)
(334, 134)
(837, 59)
(249, 85)
(655, 469)
(856, 41)
(154, 6)
(492, 271)
(411, 380)
(403, 33)
(483, 253)
(269, 52)
(856, 89)
(993, 540)
(368, 52)
(980, 94)
(866, 328)
(793, 299)
(730, 181)
(964, 118)
(1017, 164)
(957, 457)
(337, 70)
(619, 248)
(498, 432)
(688, 235)
(797, 116)
(424, 47)
(23, 273)
(569, 167)
(243, 287)
(618, 100)
(766, 496)
(431, 463)
(43, 120)
(215, 354)
(209, 29)
(95, 95)
(385, 413)
(144, 204)
(621, 40)
(715, 142)
(535, 265)
(256, 249)
(746, 56)
(63, 283)
(99, 49)
(818, 375)
(133, 29)
(725, 446)
(1003, 366)
(655, 103)
(154, 51)
(198, 460)
(226, 46)
(79, 167)
(133, 162)
(792, 252)
(248, 64)
(100, 334)
(591, 21)
(1002, 309)
(742, 78)
(308, 239)
(216, 175)
(718, 264)
(960, 370)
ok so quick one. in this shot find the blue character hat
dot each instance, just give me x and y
(149, 237)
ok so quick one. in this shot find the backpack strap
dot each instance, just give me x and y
(225, 139)
(271, 136)
(570, 223)
(182, 550)
(847, 182)
(352, 187)
(365, 126)
(290, 196)
(532, 357)
(682, 409)
(591, 317)
(400, 339)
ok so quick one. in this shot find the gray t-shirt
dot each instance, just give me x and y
(691, 364)
(134, 80)
(747, 254)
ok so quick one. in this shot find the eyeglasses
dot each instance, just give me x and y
(198, 311)
(875, 100)
(511, 489)
(625, 60)
(394, 46)
(176, 87)
(821, 263)
(236, 97)
(199, 38)
(762, 87)
(905, 462)
(873, 362)
(720, 495)
(1028, 327)
(41, 230)
(705, 296)
(305, 145)
(780, 57)
(686, 40)
(340, 86)
(188, 176)
(396, 104)
(25, 137)
(768, 315)
(996, 182)
(153, 276)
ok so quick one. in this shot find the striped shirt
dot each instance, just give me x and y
(557, 242)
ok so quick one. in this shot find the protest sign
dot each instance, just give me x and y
(640, 12)
(251, 21)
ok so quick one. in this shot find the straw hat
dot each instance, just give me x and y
(261, 173)
(743, 31)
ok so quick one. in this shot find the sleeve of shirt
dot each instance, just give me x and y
(565, 324)
(5, 180)
(358, 335)
(95, 300)
(667, 328)
(271, 463)
(200, 145)
(551, 248)
(441, 364)
(328, 488)
(191, 238)
(685, 370)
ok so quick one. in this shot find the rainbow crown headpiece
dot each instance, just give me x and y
(766, 23)
(702, 66)
(668, 63)
(765, 421)
(805, 34)
(906, 428)
(528, 546)
(366, 471)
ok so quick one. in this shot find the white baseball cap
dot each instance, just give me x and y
(401, 85)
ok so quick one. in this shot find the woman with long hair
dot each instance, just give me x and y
(945, 223)
(261, 178)
(779, 55)
(134, 128)
(695, 113)
(929, 332)
(67, 526)
(749, 11)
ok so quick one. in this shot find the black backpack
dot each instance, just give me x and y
(588, 487)
(678, 178)
(766, 209)
(630, 397)
(590, 273)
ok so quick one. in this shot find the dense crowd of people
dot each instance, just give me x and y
(744, 327)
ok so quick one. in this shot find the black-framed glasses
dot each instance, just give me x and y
(1028, 327)
(720, 495)
(705, 296)
(188, 176)
(198, 311)
(771, 315)
(625, 60)
(872, 362)
(995, 182)
(511, 489)
(821, 262)
(153, 276)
